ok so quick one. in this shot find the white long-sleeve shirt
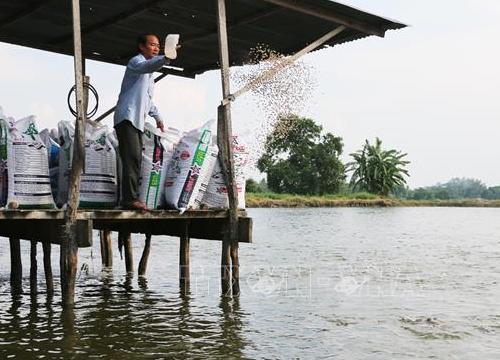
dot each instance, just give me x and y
(136, 95)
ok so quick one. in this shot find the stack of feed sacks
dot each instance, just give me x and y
(157, 151)
(27, 166)
(216, 195)
(190, 168)
(99, 182)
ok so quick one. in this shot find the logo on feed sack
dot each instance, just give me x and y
(102, 140)
(31, 131)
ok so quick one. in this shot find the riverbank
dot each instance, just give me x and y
(265, 200)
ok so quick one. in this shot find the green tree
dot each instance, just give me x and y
(456, 188)
(298, 159)
(252, 186)
(376, 170)
(492, 193)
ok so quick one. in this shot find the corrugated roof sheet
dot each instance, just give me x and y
(109, 28)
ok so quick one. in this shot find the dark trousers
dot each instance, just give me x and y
(130, 148)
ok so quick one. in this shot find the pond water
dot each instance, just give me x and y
(343, 283)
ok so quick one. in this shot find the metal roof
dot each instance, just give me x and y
(109, 28)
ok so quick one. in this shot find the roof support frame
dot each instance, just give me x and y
(109, 21)
(336, 18)
(23, 13)
(282, 64)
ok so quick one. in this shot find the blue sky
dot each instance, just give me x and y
(429, 90)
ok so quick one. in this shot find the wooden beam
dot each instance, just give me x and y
(224, 137)
(108, 214)
(69, 246)
(205, 229)
(322, 13)
(30, 9)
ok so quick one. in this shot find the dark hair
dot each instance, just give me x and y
(143, 39)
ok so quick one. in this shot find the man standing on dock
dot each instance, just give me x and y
(134, 104)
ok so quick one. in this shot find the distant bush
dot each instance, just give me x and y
(252, 186)
(454, 189)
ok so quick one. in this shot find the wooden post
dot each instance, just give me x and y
(184, 269)
(106, 248)
(16, 267)
(33, 268)
(69, 247)
(143, 264)
(47, 266)
(224, 139)
(126, 239)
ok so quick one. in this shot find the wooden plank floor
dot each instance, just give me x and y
(83, 214)
(44, 225)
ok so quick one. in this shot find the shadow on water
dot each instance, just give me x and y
(118, 318)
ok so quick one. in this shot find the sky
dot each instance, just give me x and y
(428, 90)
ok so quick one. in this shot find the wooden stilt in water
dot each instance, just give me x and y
(184, 270)
(126, 240)
(16, 267)
(33, 268)
(226, 266)
(68, 263)
(106, 248)
(68, 232)
(47, 266)
(235, 267)
(143, 264)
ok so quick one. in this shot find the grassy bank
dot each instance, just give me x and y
(255, 200)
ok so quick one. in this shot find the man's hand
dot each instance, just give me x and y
(159, 125)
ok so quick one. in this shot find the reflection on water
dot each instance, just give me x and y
(317, 283)
(118, 318)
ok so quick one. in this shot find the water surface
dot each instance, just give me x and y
(392, 283)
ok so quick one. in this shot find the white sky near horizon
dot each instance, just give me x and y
(428, 90)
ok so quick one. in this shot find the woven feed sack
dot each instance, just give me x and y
(4, 135)
(156, 154)
(190, 169)
(216, 195)
(113, 139)
(28, 167)
(98, 184)
(53, 152)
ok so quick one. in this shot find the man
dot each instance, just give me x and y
(134, 104)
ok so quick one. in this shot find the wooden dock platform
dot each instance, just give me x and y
(44, 225)
(47, 227)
